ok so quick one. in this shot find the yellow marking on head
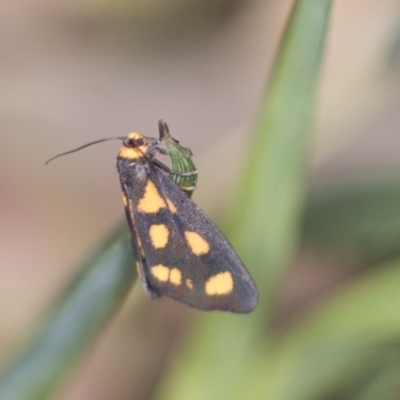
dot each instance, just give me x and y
(134, 153)
(171, 206)
(124, 199)
(160, 272)
(197, 244)
(159, 234)
(219, 284)
(134, 135)
(189, 283)
(151, 202)
(175, 277)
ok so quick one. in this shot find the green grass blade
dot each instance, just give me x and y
(267, 213)
(273, 189)
(79, 315)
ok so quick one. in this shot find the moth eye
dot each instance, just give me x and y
(137, 142)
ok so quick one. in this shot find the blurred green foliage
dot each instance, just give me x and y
(347, 348)
(364, 219)
(75, 320)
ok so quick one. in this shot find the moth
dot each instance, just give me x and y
(179, 252)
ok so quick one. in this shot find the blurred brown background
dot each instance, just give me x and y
(76, 71)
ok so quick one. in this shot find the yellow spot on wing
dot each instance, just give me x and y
(124, 199)
(171, 206)
(151, 202)
(165, 274)
(159, 235)
(197, 244)
(189, 283)
(219, 284)
(175, 277)
(160, 272)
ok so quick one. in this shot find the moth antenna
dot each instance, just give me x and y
(82, 147)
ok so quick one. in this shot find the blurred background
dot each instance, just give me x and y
(76, 71)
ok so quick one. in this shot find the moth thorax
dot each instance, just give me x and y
(128, 153)
(141, 171)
